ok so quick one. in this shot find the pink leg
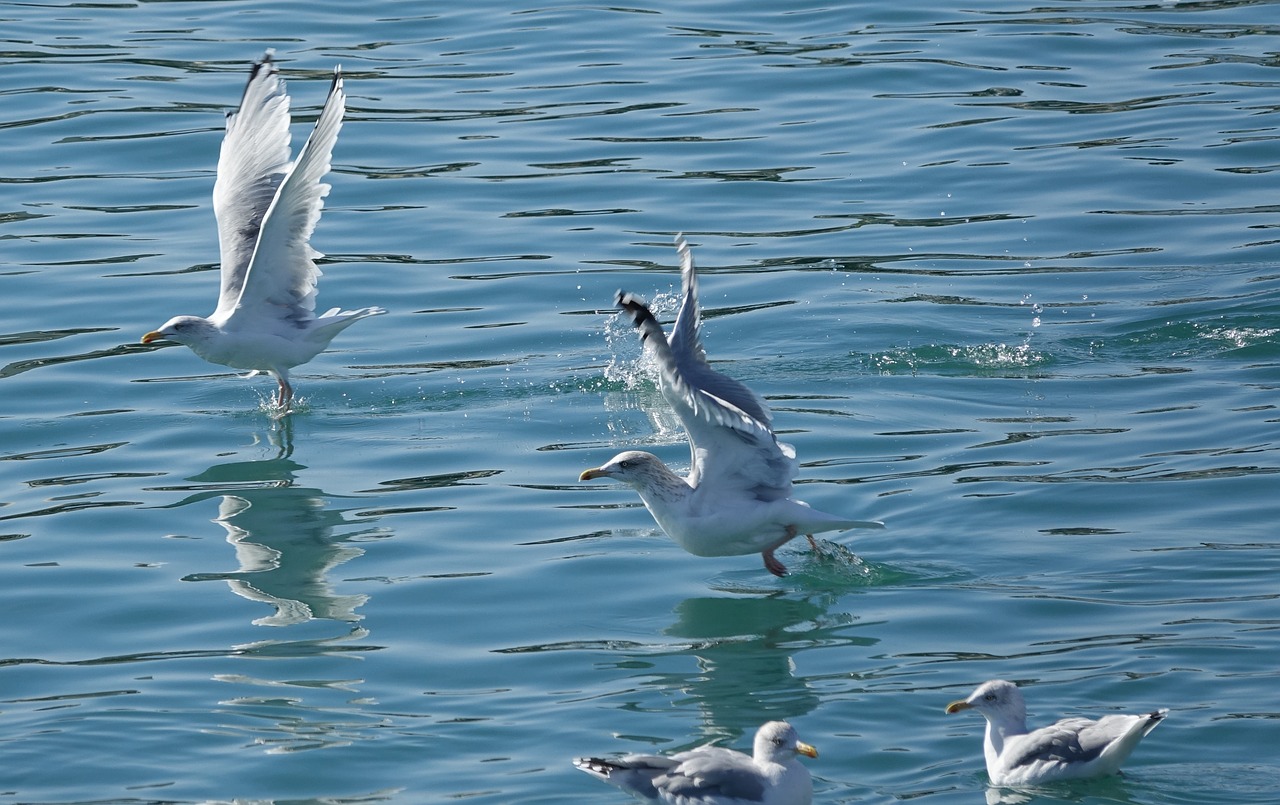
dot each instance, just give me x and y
(286, 394)
(771, 562)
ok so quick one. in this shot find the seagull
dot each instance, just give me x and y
(267, 208)
(713, 775)
(1070, 749)
(737, 498)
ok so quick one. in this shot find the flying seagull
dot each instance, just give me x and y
(1070, 749)
(737, 498)
(712, 775)
(267, 208)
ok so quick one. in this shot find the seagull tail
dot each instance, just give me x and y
(633, 774)
(335, 320)
(355, 315)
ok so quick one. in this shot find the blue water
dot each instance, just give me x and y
(1007, 274)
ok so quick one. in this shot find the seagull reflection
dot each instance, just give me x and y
(745, 676)
(284, 540)
(745, 647)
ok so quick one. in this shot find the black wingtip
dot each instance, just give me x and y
(263, 66)
(635, 307)
(630, 302)
(595, 765)
(267, 62)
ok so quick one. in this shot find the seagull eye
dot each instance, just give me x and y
(991, 697)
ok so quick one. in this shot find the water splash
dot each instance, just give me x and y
(955, 359)
(634, 371)
(630, 365)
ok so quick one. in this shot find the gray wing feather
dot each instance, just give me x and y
(633, 773)
(691, 357)
(713, 772)
(729, 426)
(1069, 741)
(696, 391)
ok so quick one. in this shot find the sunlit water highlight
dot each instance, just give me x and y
(1006, 275)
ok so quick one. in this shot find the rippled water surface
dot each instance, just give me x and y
(1009, 276)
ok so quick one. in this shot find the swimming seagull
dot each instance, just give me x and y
(737, 498)
(267, 208)
(712, 775)
(1070, 749)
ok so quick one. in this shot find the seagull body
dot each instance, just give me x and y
(712, 775)
(267, 208)
(1070, 749)
(737, 497)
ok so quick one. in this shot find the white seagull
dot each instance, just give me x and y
(1070, 749)
(712, 775)
(737, 498)
(267, 208)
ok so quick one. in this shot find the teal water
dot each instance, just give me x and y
(1007, 275)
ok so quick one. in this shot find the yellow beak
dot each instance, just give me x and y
(154, 335)
(591, 475)
(956, 707)
(805, 749)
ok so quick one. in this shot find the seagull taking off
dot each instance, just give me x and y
(267, 208)
(737, 498)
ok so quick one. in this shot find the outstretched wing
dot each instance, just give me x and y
(691, 356)
(281, 278)
(729, 426)
(253, 162)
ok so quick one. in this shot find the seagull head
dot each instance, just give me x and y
(777, 742)
(633, 468)
(999, 701)
(189, 330)
(645, 473)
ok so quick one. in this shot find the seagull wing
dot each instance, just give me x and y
(634, 773)
(251, 166)
(729, 426)
(1071, 740)
(713, 775)
(691, 356)
(280, 281)
(1078, 747)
